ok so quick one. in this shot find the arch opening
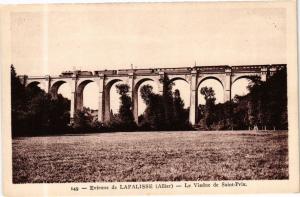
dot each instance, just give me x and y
(34, 87)
(184, 89)
(216, 85)
(139, 103)
(178, 79)
(33, 83)
(239, 86)
(61, 88)
(56, 89)
(89, 100)
(249, 77)
(179, 83)
(210, 78)
(111, 102)
(64, 90)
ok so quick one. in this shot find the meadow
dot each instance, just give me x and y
(151, 156)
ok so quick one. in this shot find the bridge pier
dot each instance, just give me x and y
(160, 85)
(264, 73)
(106, 106)
(79, 101)
(48, 83)
(227, 85)
(133, 96)
(73, 98)
(101, 101)
(135, 108)
(193, 98)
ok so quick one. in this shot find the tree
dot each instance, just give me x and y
(17, 103)
(209, 96)
(181, 115)
(268, 101)
(163, 112)
(240, 112)
(146, 93)
(59, 114)
(83, 120)
(167, 99)
(125, 112)
(264, 106)
(154, 115)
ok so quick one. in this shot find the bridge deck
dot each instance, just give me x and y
(169, 71)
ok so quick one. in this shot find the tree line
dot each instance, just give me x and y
(35, 112)
(263, 108)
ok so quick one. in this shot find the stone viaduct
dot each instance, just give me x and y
(105, 79)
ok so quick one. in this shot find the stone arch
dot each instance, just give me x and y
(178, 78)
(107, 98)
(82, 84)
(33, 83)
(54, 88)
(79, 93)
(209, 77)
(110, 83)
(250, 77)
(43, 84)
(37, 84)
(139, 83)
(242, 86)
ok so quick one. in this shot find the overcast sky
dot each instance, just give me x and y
(49, 40)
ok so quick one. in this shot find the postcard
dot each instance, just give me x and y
(149, 98)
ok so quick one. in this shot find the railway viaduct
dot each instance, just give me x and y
(105, 79)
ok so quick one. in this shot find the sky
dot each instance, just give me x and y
(51, 39)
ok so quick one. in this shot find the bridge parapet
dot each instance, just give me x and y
(76, 73)
(211, 69)
(145, 71)
(257, 68)
(248, 68)
(66, 74)
(105, 72)
(182, 70)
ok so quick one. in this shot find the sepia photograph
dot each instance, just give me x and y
(151, 95)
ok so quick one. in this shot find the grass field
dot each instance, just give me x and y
(151, 156)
